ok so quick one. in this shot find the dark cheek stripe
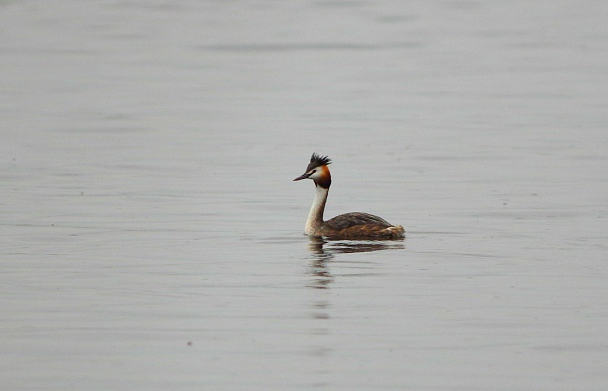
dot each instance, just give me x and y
(324, 183)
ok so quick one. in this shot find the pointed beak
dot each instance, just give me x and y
(303, 176)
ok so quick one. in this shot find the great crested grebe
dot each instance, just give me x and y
(354, 225)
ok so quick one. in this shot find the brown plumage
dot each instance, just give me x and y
(354, 225)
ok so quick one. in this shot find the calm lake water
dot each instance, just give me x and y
(152, 237)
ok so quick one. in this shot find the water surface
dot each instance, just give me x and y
(152, 236)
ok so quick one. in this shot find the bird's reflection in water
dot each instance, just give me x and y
(324, 250)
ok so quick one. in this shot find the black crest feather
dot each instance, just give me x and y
(317, 160)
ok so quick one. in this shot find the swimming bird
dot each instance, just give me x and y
(355, 225)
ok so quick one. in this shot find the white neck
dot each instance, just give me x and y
(315, 216)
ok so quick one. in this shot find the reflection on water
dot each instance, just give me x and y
(324, 250)
(321, 274)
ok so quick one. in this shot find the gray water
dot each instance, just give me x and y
(152, 237)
